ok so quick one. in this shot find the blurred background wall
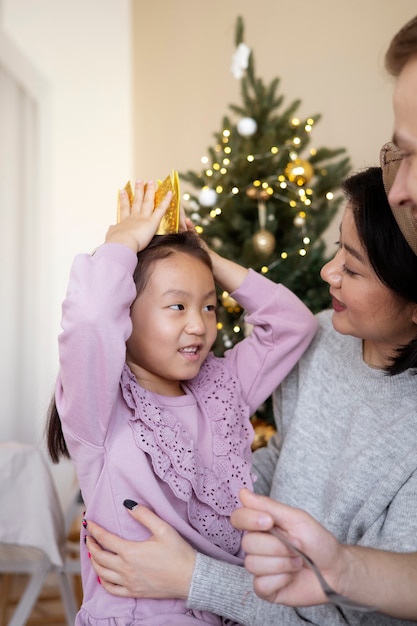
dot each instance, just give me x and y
(328, 53)
(115, 89)
(66, 113)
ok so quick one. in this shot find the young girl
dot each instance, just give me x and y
(146, 410)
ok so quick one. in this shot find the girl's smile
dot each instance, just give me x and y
(191, 352)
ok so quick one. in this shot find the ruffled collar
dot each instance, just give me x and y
(210, 492)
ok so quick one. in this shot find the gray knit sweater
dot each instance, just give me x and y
(347, 453)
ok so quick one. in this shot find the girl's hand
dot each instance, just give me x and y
(142, 569)
(139, 222)
(227, 274)
(186, 224)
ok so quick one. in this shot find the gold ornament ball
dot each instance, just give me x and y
(263, 242)
(252, 192)
(299, 172)
(256, 193)
(263, 194)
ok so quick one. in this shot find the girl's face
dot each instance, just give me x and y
(174, 324)
(363, 306)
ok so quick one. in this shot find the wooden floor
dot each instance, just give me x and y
(49, 610)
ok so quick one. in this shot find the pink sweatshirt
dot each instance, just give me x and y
(184, 457)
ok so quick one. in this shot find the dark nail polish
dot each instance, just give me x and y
(98, 580)
(85, 523)
(130, 504)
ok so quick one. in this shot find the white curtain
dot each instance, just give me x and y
(20, 266)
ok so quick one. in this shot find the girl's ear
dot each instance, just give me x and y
(414, 315)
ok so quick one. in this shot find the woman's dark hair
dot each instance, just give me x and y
(160, 247)
(391, 257)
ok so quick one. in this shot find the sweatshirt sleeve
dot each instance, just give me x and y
(282, 327)
(95, 326)
(227, 590)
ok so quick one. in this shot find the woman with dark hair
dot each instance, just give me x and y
(387, 580)
(382, 579)
(346, 445)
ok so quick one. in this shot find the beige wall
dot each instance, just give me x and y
(329, 53)
(82, 52)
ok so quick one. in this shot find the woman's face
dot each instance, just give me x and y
(363, 306)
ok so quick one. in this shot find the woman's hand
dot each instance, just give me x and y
(139, 222)
(280, 576)
(228, 274)
(142, 569)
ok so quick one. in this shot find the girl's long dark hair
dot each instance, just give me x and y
(160, 247)
(391, 257)
(57, 446)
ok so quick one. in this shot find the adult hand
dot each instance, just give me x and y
(142, 569)
(280, 576)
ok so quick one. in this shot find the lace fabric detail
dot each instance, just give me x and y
(210, 492)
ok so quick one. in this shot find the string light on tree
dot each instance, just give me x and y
(264, 195)
(230, 303)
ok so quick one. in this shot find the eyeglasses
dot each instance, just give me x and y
(390, 159)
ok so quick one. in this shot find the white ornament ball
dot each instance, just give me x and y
(247, 126)
(207, 197)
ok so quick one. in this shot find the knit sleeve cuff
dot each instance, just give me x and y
(223, 589)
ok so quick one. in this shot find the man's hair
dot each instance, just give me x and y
(402, 48)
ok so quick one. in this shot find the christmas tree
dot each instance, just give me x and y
(263, 199)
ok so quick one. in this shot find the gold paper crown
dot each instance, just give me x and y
(171, 220)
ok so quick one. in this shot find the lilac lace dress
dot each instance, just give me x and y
(183, 457)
